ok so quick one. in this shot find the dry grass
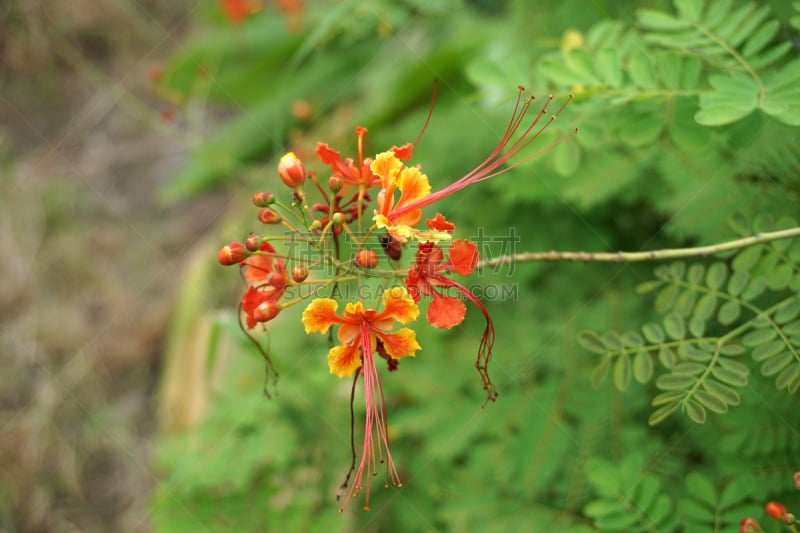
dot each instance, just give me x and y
(89, 263)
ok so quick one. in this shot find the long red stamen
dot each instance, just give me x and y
(430, 113)
(491, 166)
(376, 439)
(487, 340)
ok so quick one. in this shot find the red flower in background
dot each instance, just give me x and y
(237, 11)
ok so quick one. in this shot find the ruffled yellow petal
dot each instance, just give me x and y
(320, 315)
(400, 344)
(413, 186)
(386, 166)
(398, 304)
(344, 360)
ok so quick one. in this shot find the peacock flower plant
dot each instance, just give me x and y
(328, 247)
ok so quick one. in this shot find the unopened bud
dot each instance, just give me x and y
(263, 199)
(231, 254)
(266, 310)
(797, 480)
(316, 225)
(268, 216)
(366, 259)
(291, 170)
(253, 242)
(775, 510)
(338, 219)
(299, 273)
(335, 183)
(748, 525)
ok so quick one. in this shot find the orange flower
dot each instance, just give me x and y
(237, 11)
(357, 321)
(425, 278)
(363, 332)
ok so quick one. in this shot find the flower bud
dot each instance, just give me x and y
(291, 170)
(797, 480)
(335, 183)
(775, 510)
(253, 242)
(338, 219)
(232, 253)
(366, 259)
(263, 199)
(299, 273)
(266, 310)
(748, 525)
(268, 216)
(316, 225)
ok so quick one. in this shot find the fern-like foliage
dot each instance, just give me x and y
(712, 316)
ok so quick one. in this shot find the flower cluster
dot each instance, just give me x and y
(363, 205)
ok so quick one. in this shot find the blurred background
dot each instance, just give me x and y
(132, 136)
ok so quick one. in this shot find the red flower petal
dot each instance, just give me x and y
(439, 223)
(326, 154)
(403, 152)
(463, 257)
(446, 311)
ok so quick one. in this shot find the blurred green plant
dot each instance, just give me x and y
(688, 120)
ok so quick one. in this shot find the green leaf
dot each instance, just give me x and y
(689, 9)
(788, 312)
(640, 130)
(705, 307)
(641, 70)
(737, 282)
(755, 288)
(725, 393)
(674, 326)
(767, 350)
(667, 397)
(717, 273)
(729, 312)
(787, 376)
(670, 382)
(642, 366)
(591, 341)
(580, 63)
(701, 489)
(622, 372)
(729, 377)
(695, 411)
(600, 372)
(761, 38)
(759, 336)
(657, 20)
(780, 277)
(782, 95)
(732, 99)
(607, 65)
(710, 401)
(631, 339)
(688, 369)
(612, 341)
(653, 333)
(746, 259)
(736, 491)
(776, 363)
(660, 414)
(666, 357)
(666, 297)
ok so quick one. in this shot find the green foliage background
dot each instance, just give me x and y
(688, 116)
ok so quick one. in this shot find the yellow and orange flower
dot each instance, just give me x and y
(359, 325)
(412, 184)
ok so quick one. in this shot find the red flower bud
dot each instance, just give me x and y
(263, 199)
(268, 216)
(266, 310)
(335, 183)
(253, 242)
(232, 253)
(367, 259)
(155, 73)
(299, 273)
(291, 170)
(338, 219)
(775, 510)
(748, 525)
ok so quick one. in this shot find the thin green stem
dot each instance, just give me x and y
(634, 257)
